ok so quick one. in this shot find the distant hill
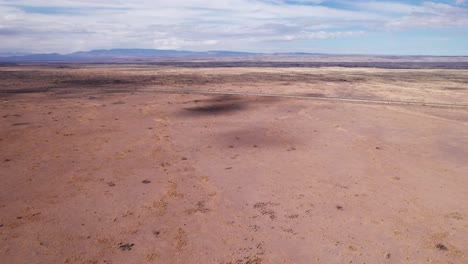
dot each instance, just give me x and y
(239, 59)
(119, 54)
(11, 54)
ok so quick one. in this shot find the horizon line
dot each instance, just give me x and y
(24, 54)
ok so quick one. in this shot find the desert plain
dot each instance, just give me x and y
(137, 163)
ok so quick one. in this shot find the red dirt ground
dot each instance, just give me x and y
(142, 177)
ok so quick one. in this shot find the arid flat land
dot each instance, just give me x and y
(242, 165)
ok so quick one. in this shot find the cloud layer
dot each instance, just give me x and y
(245, 25)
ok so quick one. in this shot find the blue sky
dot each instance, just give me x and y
(328, 26)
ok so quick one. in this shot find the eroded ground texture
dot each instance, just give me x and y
(98, 166)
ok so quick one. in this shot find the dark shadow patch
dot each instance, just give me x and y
(257, 138)
(216, 99)
(216, 108)
(335, 79)
(222, 99)
(65, 67)
(224, 104)
(94, 82)
(454, 88)
(25, 91)
(218, 105)
(20, 124)
(314, 95)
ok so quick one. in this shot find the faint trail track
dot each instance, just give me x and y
(344, 99)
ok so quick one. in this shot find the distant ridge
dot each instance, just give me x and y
(219, 58)
(121, 54)
(109, 55)
(11, 54)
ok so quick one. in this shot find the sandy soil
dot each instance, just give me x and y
(97, 167)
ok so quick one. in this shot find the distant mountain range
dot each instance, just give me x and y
(128, 55)
(117, 54)
(170, 56)
(11, 54)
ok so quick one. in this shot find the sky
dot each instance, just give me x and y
(392, 27)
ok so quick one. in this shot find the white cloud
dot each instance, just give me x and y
(175, 43)
(388, 7)
(44, 26)
(315, 35)
(436, 15)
